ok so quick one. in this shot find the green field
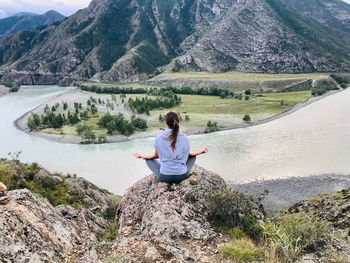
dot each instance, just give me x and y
(247, 77)
(201, 109)
(228, 112)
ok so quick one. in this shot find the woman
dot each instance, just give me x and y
(172, 147)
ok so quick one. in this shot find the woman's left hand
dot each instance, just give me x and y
(137, 155)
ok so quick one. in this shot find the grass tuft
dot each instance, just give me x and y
(243, 250)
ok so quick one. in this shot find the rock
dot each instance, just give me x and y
(4, 200)
(170, 218)
(38, 232)
(90, 194)
(3, 187)
(333, 207)
(152, 254)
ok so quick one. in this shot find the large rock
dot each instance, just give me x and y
(167, 222)
(32, 230)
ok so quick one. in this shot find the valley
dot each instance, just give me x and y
(201, 109)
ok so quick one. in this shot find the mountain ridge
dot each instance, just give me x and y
(27, 21)
(133, 40)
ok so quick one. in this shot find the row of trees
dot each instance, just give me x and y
(321, 90)
(119, 123)
(53, 120)
(113, 90)
(145, 105)
(212, 91)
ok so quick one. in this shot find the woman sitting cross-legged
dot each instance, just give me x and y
(172, 147)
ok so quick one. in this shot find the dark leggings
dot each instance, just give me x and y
(154, 165)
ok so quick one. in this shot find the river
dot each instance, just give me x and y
(313, 140)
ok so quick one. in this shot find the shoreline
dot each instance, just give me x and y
(285, 192)
(20, 124)
(4, 91)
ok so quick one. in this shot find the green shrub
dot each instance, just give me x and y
(211, 127)
(246, 118)
(110, 212)
(236, 233)
(242, 250)
(86, 132)
(230, 208)
(293, 234)
(57, 193)
(111, 232)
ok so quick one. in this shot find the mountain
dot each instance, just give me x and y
(25, 13)
(129, 40)
(27, 21)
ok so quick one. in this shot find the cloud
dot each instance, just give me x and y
(66, 7)
(3, 14)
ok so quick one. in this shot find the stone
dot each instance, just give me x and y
(171, 218)
(3, 187)
(4, 200)
(38, 232)
(193, 181)
(152, 254)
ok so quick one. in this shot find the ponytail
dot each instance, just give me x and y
(172, 120)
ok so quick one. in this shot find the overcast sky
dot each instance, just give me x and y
(65, 7)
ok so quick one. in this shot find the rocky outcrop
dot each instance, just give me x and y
(333, 207)
(160, 222)
(32, 230)
(74, 190)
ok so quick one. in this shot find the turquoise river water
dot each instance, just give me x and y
(313, 140)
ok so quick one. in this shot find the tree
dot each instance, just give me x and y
(246, 118)
(94, 109)
(161, 118)
(211, 126)
(248, 92)
(30, 123)
(86, 133)
(139, 124)
(84, 115)
(65, 106)
(47, 109)
(187, 118)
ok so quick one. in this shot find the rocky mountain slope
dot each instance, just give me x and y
(128, 40)
(27, 21)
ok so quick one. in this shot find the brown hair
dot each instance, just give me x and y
(172, 120)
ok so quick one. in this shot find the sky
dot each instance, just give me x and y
(65, 7)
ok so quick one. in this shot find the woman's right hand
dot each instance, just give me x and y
(137, 155)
